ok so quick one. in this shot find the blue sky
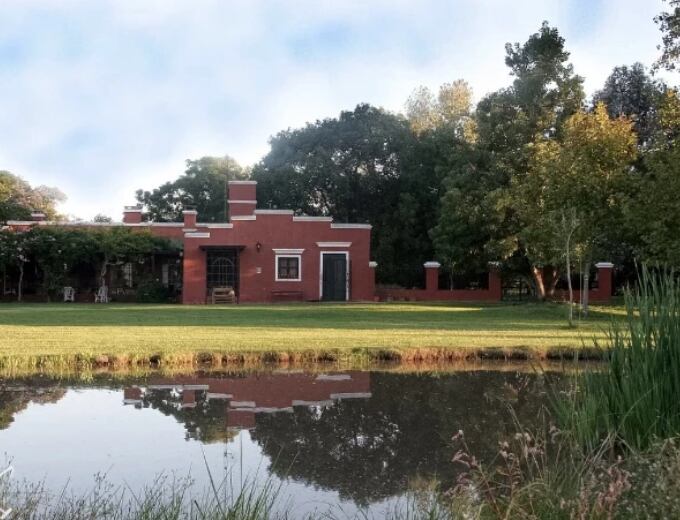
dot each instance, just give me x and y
(101, 98)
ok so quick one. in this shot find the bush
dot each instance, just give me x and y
(152, 291)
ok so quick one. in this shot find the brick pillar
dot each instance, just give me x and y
(132, 214)
(495, 282)
(371, 281)
(432, 276)
(190, 216)
(242, 198)
(605, 271)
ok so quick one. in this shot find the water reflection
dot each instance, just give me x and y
(354, 437)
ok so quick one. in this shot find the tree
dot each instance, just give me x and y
(353, 168)
(669, 24)
(203, 187)
(18, 199)
(14, 255)
(653, 216)
(102, 219)
(630, 92)
(452, 107)
(543, 95)
(586, 173)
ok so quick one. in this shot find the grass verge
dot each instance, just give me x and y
(59, 335)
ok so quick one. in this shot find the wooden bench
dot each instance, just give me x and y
(223, 295)
(287, 296)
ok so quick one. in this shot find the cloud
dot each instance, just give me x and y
(102, 98)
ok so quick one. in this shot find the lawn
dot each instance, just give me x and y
(174, 333)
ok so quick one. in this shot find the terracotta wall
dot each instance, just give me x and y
(433, 293)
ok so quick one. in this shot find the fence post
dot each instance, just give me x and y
(495, 282)
(604, 280)
(432, 276)
(371, 281)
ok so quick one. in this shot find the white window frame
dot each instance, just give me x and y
(276, 267)
(347, 280)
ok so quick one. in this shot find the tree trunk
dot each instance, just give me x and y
(571, 289)
(537, 272)
(554, 279)
(21, 282)
(586, 288)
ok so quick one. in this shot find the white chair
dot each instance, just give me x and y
(102, 295)
(69, 294)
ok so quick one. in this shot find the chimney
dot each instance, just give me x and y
(242, 198)
(190, 215)
(38, 216)
(132, 214)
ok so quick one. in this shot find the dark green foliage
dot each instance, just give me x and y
(152, 291)
(669, 24)
(203, 187)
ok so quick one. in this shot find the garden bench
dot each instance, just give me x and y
(223, 295)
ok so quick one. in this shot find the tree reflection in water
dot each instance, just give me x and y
(371, 449)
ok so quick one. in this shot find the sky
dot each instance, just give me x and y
(101, 98)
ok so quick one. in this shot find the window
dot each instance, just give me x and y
(288, 268)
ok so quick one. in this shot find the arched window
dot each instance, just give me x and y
(221, 272)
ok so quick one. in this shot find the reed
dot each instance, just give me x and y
(635, 398)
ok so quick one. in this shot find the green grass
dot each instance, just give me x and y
(32, 333)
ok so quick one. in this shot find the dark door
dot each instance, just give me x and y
(334, 283)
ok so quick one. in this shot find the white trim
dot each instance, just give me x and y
(334, 244)
(167, 224)
(373, 264)
(242, 217)
(216, 225)
(347, 281)
(247, 183)
(351, 395)
(274, 212)
(350, 226)
(288, 255)
(233, 201)
(305, 218)
(135, 224)
(197, 235)
(133, 210)
(288, 251)
(189, 212)
(432, 265)
(190, 230)
(22, 222)
(604, 265)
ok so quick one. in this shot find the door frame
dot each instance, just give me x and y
(347, 284)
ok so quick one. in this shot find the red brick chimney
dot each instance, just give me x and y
(132, 214)
(190, 216)
(242, 198)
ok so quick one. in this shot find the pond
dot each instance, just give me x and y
(348, 441)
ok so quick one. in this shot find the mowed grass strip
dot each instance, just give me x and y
(137, 331)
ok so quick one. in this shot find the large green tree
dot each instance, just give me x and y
(585, 177)
(203, 187)
(18, 198)
(631, 92)
(363, 166)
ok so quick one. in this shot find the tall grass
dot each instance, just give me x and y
(635, 399)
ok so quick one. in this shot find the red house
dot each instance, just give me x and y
(264, 255)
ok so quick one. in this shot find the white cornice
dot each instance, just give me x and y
(243, 217)
(273, 211)
(305, 218)
(350, 226)
(216, 225)
(288, 251)
(242, 201)
(334, 244)
(432, 265)
(197, 235)
(246, 183)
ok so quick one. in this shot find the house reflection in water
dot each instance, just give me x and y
(245, 397)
